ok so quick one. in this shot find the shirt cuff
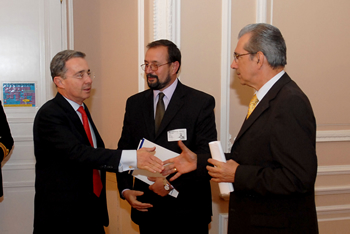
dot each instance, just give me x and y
(128, 160)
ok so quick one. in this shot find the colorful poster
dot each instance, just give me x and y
(18, 94)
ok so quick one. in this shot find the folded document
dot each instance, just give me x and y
(161, 153)
(217, 153)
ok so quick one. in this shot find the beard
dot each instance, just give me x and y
(158, 85)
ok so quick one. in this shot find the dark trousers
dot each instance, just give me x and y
(174, 228)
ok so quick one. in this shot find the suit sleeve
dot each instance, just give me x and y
(205, 132)
(124, 179)
(205, 128)
(6, 140)
(57, 138)
(293, 162)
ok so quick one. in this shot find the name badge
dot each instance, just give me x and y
(177, 135)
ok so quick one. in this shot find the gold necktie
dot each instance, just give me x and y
(252, 105)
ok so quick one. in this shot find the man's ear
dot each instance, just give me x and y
(260, 57)
(174, 67)
(58, 81)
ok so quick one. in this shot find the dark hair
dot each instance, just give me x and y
(267, 39)
(174, 53)
(58, 63)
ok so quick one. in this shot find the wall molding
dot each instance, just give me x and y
(223, 223)
(333, 135)
(332, 190)
(261, 11)
(343, 212)
(333, 170)
(166, 20)
(70, 31)
(19, 184)
(141, 43)
(225, 135)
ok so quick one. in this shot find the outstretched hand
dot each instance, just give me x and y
(184, 163)
(146, 160)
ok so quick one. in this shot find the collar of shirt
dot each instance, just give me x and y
(73, 104)
(168, 93)
(266, 87)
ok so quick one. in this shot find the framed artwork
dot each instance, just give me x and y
(17, 94)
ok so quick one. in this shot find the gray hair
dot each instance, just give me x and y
(267, 39)
(58, 63)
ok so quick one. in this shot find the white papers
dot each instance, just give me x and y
(218, 154)
(161, 153)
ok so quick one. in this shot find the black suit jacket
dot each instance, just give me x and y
(274, 183)
(64, 199)
(189, 109)
(5, 139)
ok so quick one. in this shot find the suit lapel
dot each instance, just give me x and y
(148, 114)
(73, 116)
(264, 104)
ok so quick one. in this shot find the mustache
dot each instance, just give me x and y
(152, 76)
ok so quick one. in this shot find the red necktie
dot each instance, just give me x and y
(96, 175)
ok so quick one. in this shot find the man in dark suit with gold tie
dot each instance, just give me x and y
(273, 162)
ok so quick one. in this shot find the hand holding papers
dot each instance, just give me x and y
(218, 154)
(161, 153)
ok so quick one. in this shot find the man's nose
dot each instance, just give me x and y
(234, 64)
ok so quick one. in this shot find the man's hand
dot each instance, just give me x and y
(158, 186)
(184, 163)
(222, 172)
(146, 160)
(131, 197)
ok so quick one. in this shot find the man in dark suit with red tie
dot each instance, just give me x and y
(6, 141)
(188, 114)
(273, 161)
(71, 161)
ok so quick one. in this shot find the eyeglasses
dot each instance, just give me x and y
(237, 55)
(153, 66)
(80, 75)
